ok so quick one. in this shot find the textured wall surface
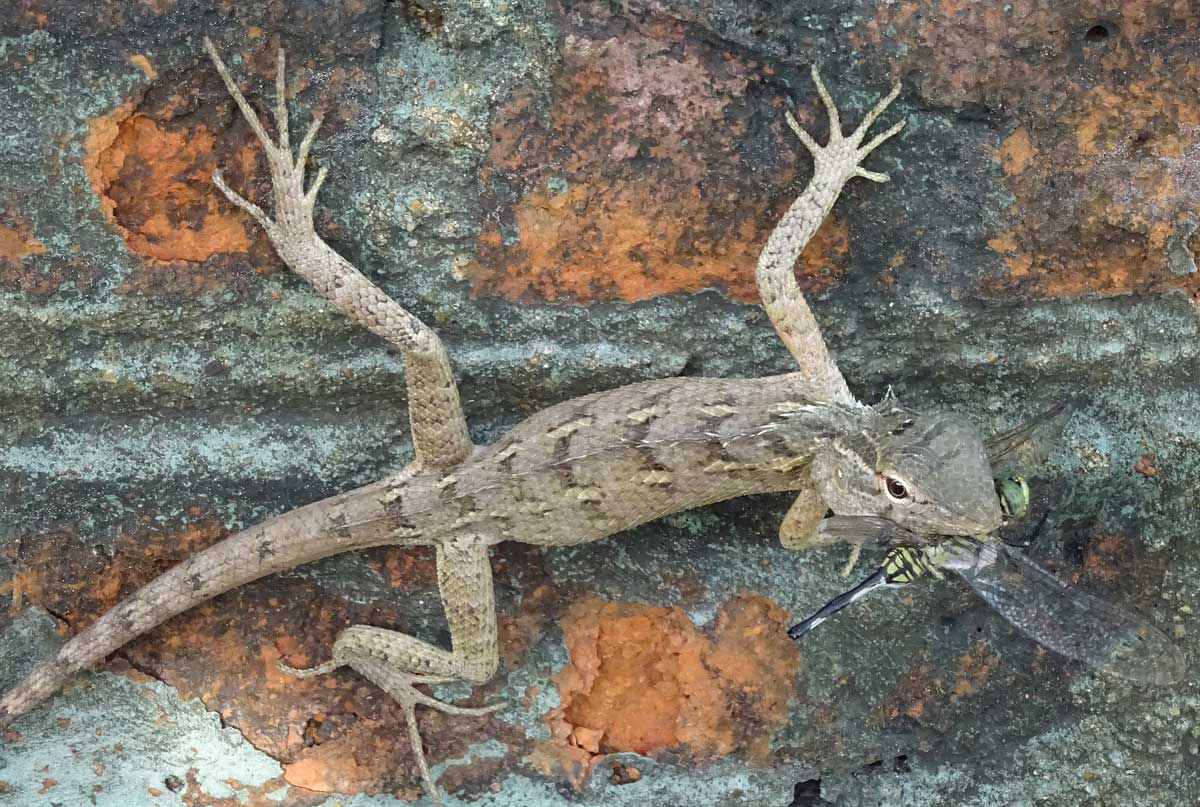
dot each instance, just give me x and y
(574, 193)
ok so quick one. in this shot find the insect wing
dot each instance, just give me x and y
(1070, 621)
(1026, 448)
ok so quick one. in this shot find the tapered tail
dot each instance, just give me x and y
(351, 520)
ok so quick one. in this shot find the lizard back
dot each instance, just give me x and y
(586, 468)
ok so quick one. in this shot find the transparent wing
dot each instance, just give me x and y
(1026, 448)
(1067, 620)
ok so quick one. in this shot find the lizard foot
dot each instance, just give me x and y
(839, 159)
(402, 686)
(293, 204)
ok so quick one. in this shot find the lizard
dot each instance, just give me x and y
(577, 471)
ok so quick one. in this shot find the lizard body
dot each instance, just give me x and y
(574, 472)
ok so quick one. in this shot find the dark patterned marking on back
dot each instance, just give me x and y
(505, 457)
(714, 414)
(563, 432)
(341, 528)
(266, 549)
(638, 422)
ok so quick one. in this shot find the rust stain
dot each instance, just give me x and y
(140, 61)
(640, 180)
(912, 696)
(1147, 465)
(1106, 558)
(624, 774)
(613, 242)
(644, 678)
(15, 245)
(154, 185)
(327, 770)
(974, 668)
(475, 778)
(1016, 152)
(263, 795)
(81, 584)
(407, 567)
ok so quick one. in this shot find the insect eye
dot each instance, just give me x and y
(896, 490)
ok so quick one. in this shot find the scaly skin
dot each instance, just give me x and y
(575, 472)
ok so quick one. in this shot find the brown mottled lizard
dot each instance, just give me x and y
(575, 472)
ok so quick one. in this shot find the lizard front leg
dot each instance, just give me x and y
(397, 662)
(439, 428)
(801, 526)
(833, 165)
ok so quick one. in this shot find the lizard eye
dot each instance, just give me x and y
(896, 490)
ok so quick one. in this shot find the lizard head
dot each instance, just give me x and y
(928, 473)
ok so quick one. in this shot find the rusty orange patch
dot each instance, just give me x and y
(15, 245)
(142, 62)
(913, 693)
(327, 769)
(263, 795)
(647, 176)
(608, 242)
(1107, 557)
(1124, 218)
(82, 585)
(974, 667)
(643, 678)
(154, 185)
(1016, 152)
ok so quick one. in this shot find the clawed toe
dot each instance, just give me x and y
(409, 697)
(451, 709)
(847, 152)
(287, 170)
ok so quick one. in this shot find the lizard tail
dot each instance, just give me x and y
(352, 520)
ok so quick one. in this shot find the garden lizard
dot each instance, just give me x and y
(575, 472)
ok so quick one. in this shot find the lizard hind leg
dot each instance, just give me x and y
(397, 663)
(381, 657)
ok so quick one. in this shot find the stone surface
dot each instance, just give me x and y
(575, 193)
